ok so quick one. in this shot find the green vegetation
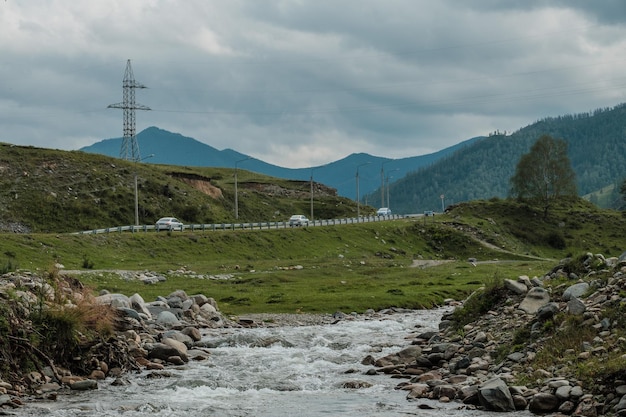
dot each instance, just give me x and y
(322, 269)
(482, 171)
(487, 298)
(544, 174)
(51, 191)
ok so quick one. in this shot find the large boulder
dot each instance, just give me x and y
(547, 311)
(138, 304)
(534, 300)
(494, 395)
(165, 352)
(543, 402)
(575, 291)
(515, 286)
(167, 319)
(114, 300)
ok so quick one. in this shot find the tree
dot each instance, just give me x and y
(622, 190)
(545, 173)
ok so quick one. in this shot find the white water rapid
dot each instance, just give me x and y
(270, 372)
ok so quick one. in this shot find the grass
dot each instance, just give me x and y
(345, 267)
(325, 288)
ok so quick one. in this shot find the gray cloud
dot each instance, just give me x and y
(303, 83)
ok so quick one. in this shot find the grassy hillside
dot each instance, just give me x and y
(45, 190)
(344, 267)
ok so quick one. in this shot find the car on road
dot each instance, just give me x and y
(169, 223)
(298, 220)
(428, 213)
(383, 211)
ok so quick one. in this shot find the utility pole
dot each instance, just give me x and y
(130, 147)
(358, 202)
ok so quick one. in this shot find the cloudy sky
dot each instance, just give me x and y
(301, 83)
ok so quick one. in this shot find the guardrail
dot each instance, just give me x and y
(242, 226)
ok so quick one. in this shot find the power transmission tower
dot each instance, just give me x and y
(130, 147)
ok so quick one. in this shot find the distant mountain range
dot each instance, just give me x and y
(176, 149)
(478, 168)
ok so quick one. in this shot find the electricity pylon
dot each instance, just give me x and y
(130, 147)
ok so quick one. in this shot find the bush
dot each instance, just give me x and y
(556, 240)
(491, 295)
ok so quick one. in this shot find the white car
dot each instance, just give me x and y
(298, 220)
(383, 211)
(169, 223)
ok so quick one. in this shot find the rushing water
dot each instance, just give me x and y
(300, 372)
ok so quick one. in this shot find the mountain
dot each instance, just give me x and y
(596, 148)
(175, 149)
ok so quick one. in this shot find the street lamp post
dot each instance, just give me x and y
(311, 194)
(137, 192)
(382, 183)
(236, 194)
(358, 200)
(387, 186)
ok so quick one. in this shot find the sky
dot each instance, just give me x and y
(301, 83)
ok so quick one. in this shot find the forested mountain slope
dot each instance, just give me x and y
(596, 148)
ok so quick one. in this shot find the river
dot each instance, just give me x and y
(271, 372)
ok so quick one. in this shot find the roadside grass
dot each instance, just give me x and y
(316, 269)
(336, 285)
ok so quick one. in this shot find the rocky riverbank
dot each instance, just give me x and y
(551, 344)
(43, 316)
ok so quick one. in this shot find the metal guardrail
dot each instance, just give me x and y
(242, 226)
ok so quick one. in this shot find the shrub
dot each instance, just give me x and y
(492, 294)
(556, 240)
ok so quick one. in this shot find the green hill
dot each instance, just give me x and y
(44, 190)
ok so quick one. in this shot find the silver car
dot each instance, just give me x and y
(169, 223)
(298, 220)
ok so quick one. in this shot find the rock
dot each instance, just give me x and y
(163, 352)
(179, 346)
(193, 333)
(494, 395)
(520, 402)
(547, 311)
(586, 408)
(114, 300)
(97, 375)
(167, 319)
(418, 391)
(84, 385)
(534, 300)
(515, 286)
(543, 402)
(563, 392)
(356, 384)
(5, 399)
(576, 307)
(445, 390)
(139, 305)
(621, 405)
(576, 290)
(176, 360)
(179, 336)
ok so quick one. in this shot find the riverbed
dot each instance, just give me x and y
(282, 371)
